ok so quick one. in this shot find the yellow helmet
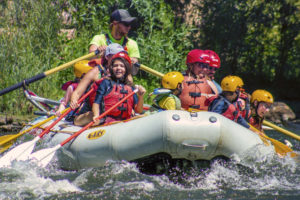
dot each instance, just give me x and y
(81, 67)
(262, 95)
(230, 83)
(171, 80)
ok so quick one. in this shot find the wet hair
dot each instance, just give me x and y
(125, 79)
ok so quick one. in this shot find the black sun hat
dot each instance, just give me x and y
(121, 15)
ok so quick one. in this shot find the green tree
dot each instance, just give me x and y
(258, 40)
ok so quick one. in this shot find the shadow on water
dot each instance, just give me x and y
(179, 171)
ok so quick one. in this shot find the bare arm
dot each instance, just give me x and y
(101, 49)
(95, 109)
(140, 93)
(91, 76)
(65, 101)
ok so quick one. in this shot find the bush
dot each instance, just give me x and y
(31, 42)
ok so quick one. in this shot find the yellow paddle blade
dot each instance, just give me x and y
(284, 131)
(7, 138)
(280, 148)
(5, 146)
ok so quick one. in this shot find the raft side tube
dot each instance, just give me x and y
(239, 141)
(192, 136)
(122, 141)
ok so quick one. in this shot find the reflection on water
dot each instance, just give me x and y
(267, 178)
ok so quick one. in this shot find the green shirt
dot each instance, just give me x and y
(168, 102)
(132, 47)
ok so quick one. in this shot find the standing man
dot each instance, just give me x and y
(120, 25)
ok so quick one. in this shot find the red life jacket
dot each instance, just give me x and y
(194, 93)
(256, 121)
(95, 62)
(118, 92)
(67, 84)
(233, 112)
(244, 106)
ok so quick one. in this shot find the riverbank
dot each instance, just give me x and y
(12, 123)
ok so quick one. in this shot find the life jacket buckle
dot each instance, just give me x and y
(195, 106)
(195, 94)
(123, 91)
(121, 108)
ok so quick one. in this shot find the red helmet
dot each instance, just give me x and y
(122, 55)
(214, 59)
(197, 55)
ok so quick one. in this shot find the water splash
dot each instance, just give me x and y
(24, 180)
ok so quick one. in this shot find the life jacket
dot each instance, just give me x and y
(233, 112)
(244, 106)
(69, 83)
(257, 122)
(194, 93)
(108, 41)
(117, 93)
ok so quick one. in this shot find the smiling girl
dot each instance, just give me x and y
(114, 88)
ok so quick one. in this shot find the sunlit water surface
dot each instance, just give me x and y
(268, 178)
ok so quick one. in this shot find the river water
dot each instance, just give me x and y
(269, 178)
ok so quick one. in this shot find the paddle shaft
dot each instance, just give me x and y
(68, 110)
(151, 71)
(286, 132)
(44, 74)
(100, 116)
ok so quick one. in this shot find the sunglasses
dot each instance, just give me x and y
(127, 24)
(212, 68)
(202, 65)
(266, 105)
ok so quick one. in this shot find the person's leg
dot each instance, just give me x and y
(83, 119)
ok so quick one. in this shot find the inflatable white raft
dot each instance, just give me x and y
(181, 134)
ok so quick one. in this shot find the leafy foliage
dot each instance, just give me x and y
(30, 44)
(36, 45)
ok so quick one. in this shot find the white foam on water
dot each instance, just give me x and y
(83, 177)
(25, 179)
(135, 185)
(118, 167)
